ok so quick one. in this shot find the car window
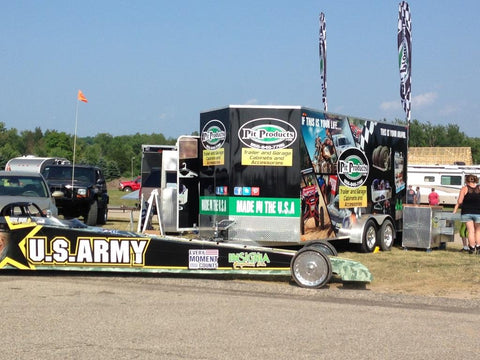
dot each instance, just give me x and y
(65, 173)
(28, 186)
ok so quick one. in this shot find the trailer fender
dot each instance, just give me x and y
(356, 231)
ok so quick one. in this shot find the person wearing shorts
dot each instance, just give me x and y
(469, 201)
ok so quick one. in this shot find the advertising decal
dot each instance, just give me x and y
(267, 141)
(213, 137)
(27, 245)
(352, 167)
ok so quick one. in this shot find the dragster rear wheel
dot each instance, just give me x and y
(323, 246)
(311, 268)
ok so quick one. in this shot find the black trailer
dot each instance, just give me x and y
(286, 175)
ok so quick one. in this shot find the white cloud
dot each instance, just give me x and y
(448, 110)
(391, 105)
(424, 99)
(418, 101)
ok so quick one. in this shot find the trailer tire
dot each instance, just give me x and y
(369, 238)
(311, 268)
(323, 246)
(386, 235)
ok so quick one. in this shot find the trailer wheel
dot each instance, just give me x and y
(311, 268)
(369, 239)
(323, 246)
(386, 235)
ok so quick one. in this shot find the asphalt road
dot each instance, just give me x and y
(97, 316)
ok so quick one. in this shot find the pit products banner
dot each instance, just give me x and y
(322, 47)
(404, 39)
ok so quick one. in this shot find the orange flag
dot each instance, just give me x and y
(82, 97)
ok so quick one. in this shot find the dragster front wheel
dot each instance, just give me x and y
(311, 268)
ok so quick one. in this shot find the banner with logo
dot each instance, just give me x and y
(405, 55)
(322, 47)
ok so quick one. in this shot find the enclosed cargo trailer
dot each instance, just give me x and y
(272, 176)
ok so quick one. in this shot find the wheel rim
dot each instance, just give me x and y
(388, 236)
(311, 269)
(371, 237)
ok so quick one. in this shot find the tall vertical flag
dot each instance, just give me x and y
(322, 47)
(404, 39)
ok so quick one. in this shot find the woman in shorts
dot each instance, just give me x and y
(469, 200)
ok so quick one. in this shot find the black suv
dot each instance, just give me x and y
(79, 191)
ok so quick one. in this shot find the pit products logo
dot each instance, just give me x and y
(213, 135)
(353, 167)
(267, 134)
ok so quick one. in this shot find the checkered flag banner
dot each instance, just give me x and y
(404, 38)
(367, 132)
(322, 47)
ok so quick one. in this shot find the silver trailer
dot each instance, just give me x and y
(32, 163)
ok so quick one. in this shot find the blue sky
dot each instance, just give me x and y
(153, 66)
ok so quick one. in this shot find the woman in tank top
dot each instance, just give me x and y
(469, 201)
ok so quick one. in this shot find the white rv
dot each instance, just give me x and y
(447, 180)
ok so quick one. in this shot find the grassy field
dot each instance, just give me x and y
(448, 273)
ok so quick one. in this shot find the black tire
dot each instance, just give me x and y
(92, 215)
(127, 189)
(375, 156)
(324, 246)
(369, 238)
(386, 235)
(102, 216)
(311, 268)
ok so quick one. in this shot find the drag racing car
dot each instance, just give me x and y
(30, 240)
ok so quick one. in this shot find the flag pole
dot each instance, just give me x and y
(75, 143)
(80, 97)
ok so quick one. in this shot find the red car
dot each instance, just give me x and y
(130, 185)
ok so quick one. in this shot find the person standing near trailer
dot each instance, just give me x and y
(410, 195)
(417, 199)
(433, 198)
(469, 200)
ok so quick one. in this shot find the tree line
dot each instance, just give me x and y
(121, 155)
(116, 155)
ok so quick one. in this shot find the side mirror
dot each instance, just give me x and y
(58, 194)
